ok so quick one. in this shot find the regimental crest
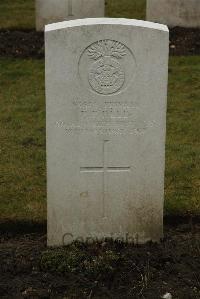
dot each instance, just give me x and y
(106, 75)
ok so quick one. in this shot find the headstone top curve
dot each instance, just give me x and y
(105, 21)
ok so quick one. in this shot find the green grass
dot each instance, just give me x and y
(22, 124)
(22, 133)
(20, 14)
(183, 137)
(134, 9)
(17, 14)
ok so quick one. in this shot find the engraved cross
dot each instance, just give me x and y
(70, 9)
(104, 169)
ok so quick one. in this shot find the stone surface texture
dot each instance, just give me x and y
(52, 11)
(106, 94)
(183, 13)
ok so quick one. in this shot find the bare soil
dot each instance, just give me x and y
(147, 271)
(21, 44)
(30, 44)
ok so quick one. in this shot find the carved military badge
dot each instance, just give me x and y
(106, 75)
(107, 67)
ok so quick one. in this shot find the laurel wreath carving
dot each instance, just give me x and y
(107, 48)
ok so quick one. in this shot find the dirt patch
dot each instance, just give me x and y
(108, 270)
(21, 44)
(184, 41)
(30, 44)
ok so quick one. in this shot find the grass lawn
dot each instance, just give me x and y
(22, 124)
(20, 14)
(183, 137)
(17, 14)
(135, 9)
(22, 132)
(22, 147)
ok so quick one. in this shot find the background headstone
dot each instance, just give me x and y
(106, 94)
(52, 11)
(183, 13)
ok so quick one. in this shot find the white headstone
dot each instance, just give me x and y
(106, 93)
(183, 13)
(52, 11)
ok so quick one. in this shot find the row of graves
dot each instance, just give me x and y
(172, 13)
